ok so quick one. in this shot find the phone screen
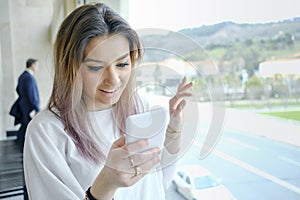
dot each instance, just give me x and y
(151, 125)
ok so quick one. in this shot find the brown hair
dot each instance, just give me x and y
(83, 24)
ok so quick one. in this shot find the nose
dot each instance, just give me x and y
(111, 76)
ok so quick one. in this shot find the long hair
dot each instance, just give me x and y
(66, 101)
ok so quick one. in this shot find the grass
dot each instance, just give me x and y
(263, 105)
(295, 115)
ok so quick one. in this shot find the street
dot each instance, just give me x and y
(251, 167)
(257, 157)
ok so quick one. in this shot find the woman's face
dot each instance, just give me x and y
(105, 71)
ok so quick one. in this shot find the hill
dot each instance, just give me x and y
(229, 31)
(232, 46)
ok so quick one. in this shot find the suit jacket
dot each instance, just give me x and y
(28, 99)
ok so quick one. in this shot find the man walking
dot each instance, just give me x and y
(28, 103)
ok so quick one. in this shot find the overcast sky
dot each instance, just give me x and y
(178, 14)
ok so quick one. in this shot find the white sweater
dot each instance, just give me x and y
(54, 169)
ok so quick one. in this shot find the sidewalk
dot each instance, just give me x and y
(278, 129)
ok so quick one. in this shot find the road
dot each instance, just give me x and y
(257, 157)
(252, 167)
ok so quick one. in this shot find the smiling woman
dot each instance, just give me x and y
(76, 148)
(105, 73)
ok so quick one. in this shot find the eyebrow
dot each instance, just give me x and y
(100, 61)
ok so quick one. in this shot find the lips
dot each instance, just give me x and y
(109, 91)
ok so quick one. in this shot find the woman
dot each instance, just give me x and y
(76, 148)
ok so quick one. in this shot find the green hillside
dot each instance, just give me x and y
(232, 46)
(225, 32)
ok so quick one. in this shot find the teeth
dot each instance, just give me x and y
(109, 91)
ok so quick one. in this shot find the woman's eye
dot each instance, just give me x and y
(95, 68)
(123, 64)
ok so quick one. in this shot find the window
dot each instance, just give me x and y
(187, 180)
(180, 174)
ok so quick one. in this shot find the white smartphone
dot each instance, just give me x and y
(151, 125)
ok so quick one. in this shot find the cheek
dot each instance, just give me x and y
(126, 74)
(90, 83)
(125, 78)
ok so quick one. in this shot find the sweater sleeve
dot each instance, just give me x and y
(169, 165)
(47, 173)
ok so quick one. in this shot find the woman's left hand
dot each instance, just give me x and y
(177, 103)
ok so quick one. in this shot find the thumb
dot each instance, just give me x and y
(119, 142)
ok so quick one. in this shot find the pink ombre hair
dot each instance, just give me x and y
(66, 101)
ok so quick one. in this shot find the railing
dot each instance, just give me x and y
(11, 168)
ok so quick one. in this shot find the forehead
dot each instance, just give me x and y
(106, 48)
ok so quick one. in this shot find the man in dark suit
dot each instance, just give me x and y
(28, 103)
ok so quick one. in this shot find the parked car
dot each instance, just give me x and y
(197, 183)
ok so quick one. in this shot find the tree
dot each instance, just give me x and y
(254, 88)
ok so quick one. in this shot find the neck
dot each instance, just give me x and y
(30, 70)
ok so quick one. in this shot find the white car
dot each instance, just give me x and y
(197, 183)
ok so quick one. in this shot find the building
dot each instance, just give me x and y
(283, 66)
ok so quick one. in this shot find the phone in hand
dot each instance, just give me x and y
(149, 125)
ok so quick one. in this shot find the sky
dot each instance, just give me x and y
(179, 14)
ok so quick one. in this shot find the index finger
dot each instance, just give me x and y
(137, 146)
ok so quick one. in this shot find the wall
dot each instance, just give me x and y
(28, 29)
(1, 102)
(24, 33)
(7, 70)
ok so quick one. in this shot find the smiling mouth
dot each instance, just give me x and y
(109, 91)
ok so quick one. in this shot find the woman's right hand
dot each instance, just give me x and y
(124, 167)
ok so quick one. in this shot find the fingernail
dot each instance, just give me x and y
(158, 150)
(146, 141)
(158, 160)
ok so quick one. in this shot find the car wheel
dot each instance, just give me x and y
(175, 186)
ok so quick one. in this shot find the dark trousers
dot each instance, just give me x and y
(20, 142)
(21, 136)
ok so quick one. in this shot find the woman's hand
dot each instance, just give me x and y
(176, 105)
(124, 167)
